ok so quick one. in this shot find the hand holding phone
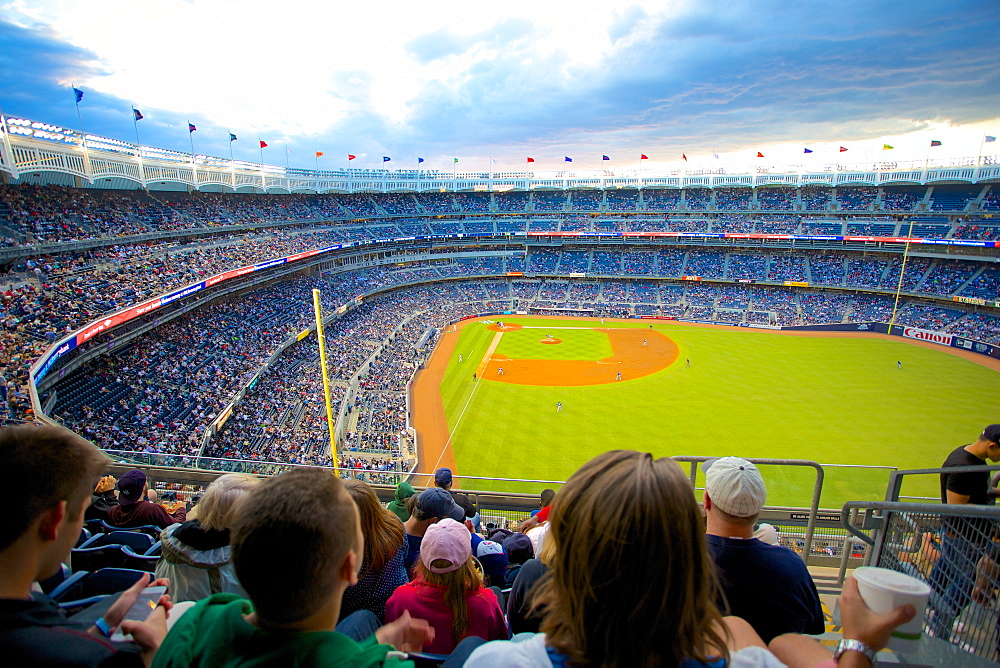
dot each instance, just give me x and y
(144, 604)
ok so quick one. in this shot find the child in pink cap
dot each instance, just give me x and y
(448, 591)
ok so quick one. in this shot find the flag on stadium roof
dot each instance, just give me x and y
(759, 154)
(320, 154)
(263, 144)
(683, 155)
(568, 159)
(842, 149)
(715, 155)
(643, 156)
(604, 157)
(989, 139)
(351, 157)
(191, 127)
(456, 160)
(531, 159)
(78, 93)
(807, 150)
(232, 137)
(935, 142)
(419, 160)
(137, 114)
(386, 158)
(886, 147)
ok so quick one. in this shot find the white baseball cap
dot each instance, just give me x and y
(735, 486)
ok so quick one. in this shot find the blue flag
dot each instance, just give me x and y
(191, 127)
(419, 160)
(232, 137)
(78, 93)
(568, 159)
(386, 158)
(990, 138)
(137, 114)
(604, 157)
(807, 150)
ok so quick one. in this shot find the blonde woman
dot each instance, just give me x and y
(196, 554)
(448, 592)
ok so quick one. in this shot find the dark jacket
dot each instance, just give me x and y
(37, 633)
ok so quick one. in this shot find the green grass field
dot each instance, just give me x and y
(749, 393)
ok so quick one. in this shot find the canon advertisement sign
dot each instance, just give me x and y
(926, 335)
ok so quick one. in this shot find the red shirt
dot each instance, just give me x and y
(426, 601)
(543, 514)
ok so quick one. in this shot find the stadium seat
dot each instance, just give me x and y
(84, 589)
(84, 537)
(149, 529)
(49, 584)
(139, 562)
(96, 558)
(139, 542)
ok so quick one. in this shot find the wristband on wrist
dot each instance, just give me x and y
(103, 627)
(853, 645)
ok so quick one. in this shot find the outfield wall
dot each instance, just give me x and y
(930, 336)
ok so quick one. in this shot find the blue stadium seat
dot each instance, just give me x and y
(139, 542)
(139, 562)
(96, 558)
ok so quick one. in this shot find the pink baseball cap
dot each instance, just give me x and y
(446, 540)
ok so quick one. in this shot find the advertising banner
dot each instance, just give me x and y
(927, 335)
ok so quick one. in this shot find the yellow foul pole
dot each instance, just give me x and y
(326, 380)
(902, 270)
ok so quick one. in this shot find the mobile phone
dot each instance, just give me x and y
(144, 604)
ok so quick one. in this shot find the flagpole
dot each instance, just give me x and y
(982, 142)
(83, 138)
(194, 166)
(138, 147)
(232, 161)
(287, 153)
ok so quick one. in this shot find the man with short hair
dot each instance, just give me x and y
(296, 546)
(135, 510)
(432, 504)
(953, 576)
(767, 585)
(444, 480)
(49, 475)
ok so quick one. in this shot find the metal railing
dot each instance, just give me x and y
(954, 548)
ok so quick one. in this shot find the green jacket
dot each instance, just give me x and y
(214, 633)
(398, 505)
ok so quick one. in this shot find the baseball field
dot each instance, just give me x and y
(536, 397)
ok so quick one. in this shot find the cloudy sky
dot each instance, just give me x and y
(502, 81)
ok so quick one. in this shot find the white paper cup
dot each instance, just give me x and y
(884, 590)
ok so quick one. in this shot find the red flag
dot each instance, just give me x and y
(643, 156)
(842, 149)
(263, 144)
(351, 157)
(531, 159)
(759, 154)
(319, 154)
(683, 155)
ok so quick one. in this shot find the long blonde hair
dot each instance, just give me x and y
(218, 507)
(457, 585)
(631, 582)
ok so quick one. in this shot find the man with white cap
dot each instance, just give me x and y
(767, 585)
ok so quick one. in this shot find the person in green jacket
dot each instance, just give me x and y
(296, 546)
(398, 505)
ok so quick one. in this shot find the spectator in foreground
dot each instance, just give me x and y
(382, 569)
(443, 479)
(964, 538)
(767, 585)
(196, 554)
(598, 611)
(134, 510)
(296, 546)
(404, 490)
(102, 499)
(449, 592)
(51, 475)
(431, 506)
(522, 616)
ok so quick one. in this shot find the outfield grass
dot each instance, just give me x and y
(747, 393)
